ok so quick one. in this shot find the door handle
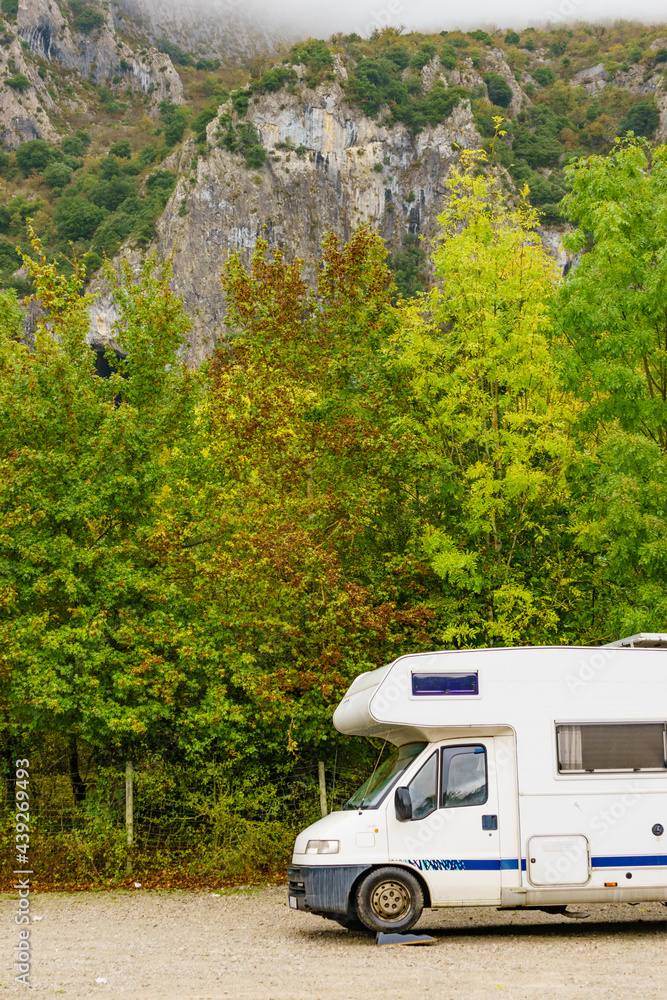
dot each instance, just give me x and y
(489, 822)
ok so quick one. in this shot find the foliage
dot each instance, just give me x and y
(642, 119)
(18, 82)
(378, 83)
(175, 52)
(242, 138)
(409, 267)
(544, 75)
(85, 631)
(612, 309)
(493, 429)
(57, 175)
(35, 154)
(77, 144)
(86, 17)
(10, 9)
(499, 91)
(175, 121)
(121, 148)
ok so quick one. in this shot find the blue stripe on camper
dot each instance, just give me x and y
(512, 864)
(464, 864)
(630, 861)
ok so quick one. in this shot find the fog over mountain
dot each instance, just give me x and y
(301, 17)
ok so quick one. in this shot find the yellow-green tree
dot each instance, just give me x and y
(491, 484)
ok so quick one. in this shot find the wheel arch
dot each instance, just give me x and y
(387, 864)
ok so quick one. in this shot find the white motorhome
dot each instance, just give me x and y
(527, 777)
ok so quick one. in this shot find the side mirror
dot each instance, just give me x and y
(403, 804)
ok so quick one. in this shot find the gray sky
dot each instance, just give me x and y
(324, 19)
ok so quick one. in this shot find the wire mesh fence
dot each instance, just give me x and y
(208, 820)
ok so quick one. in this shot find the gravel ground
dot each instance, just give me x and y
(250, 945)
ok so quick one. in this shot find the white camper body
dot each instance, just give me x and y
(534, 777)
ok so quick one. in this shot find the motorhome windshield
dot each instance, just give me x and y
(374, 789)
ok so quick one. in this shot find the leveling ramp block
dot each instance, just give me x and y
(383, 938)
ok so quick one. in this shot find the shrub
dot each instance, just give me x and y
(121, 148)
(275, 79)
(175, 120)
(175, 52)
(18, 82)
(9, 260)
(148, 154)
(86, 18)
(659, 57)
(112, 232)
(57, 175)
(409, 266)
(77, 218)
(511, 38)
(544, 75)
(202, 120)
(160, 185)
(448, 56)
(35, 154)
(10, 9)
(499, 91)
(423, 55)
(481, 36)
(5, 219)
(642, 119)
(77, 144)
(93, 262)
(110, 194)
(240, 100)
(398, 55)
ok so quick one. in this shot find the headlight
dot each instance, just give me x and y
(322, 846)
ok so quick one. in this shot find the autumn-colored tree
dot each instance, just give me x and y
(289, 546)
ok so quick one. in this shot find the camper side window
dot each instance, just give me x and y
(464, 781)
(612, 746)
(424, 788)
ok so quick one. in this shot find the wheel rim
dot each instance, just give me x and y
(390, 900)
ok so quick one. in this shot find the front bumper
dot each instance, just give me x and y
(322, 888)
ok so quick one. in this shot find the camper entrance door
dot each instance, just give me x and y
(453, 836)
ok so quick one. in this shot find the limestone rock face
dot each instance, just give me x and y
(229, 29)
(329, 169)
(23, 114)
(99, 56)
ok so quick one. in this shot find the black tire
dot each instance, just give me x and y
(351, 922)
(389, 900)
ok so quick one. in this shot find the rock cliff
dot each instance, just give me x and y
(328, 169)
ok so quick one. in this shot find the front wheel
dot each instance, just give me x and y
(389, 900)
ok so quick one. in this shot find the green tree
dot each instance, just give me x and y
(642, 119)
(89, 632)
(499, 91)
(77, 218)
(35, 154)
(612, 308)
(57, 175)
